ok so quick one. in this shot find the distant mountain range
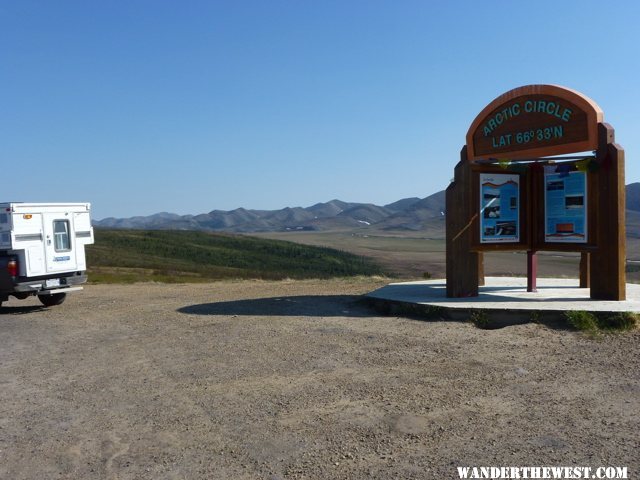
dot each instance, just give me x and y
(413, 214)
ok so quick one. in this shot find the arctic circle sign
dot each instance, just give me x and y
(515, 190)
(535, 120)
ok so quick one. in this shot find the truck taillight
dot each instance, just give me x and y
(12, 268)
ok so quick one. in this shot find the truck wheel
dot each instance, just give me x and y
(52, 300)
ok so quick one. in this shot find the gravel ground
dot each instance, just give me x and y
(297, 379)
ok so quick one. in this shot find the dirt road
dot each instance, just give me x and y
(279, 380)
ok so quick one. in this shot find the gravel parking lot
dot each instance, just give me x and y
(297, 379)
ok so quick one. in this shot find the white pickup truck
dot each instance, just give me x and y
(42, 249)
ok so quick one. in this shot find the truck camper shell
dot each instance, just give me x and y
(42, 249)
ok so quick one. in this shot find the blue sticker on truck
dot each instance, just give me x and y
(62, 259)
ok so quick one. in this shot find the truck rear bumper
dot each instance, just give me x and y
(59, 290)
(47, 285)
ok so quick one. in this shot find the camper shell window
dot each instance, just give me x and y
(61, 240)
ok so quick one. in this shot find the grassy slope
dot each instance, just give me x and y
(139, 255)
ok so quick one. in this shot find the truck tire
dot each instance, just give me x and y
(52, 300)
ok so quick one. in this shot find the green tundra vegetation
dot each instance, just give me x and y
(126, 256)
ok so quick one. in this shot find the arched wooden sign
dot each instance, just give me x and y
(513, 191)
(536, 120)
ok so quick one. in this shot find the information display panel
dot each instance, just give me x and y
(499, 208)
(565, 206)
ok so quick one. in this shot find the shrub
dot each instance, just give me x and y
(480, 318)
(619, 321)
(595, 322)
(583, 321)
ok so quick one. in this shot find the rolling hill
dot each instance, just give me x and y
(408, 214)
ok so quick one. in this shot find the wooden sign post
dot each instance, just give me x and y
(514, 191)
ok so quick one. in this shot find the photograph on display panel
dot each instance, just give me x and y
(499, 208)
(565, 194)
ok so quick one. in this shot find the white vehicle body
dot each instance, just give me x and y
(42, 248)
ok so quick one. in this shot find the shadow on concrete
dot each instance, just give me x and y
(296, 306)
(496, 299)
(416, 293)
(544, 287)
(486, 319)
(354, 306)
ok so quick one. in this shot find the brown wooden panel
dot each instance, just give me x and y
(607, 263)
(464, 267)
(541, 121)
(535, 120)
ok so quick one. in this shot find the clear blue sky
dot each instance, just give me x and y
(142, 106)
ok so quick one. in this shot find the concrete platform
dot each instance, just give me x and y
(506, 295)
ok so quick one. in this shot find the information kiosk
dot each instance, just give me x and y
(540, 171)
